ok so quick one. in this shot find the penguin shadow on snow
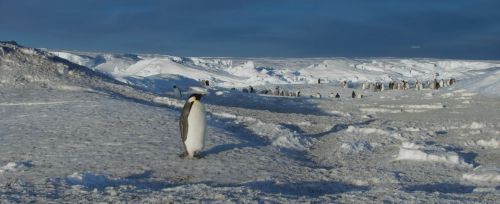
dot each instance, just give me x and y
(248, 139)
(245, 136)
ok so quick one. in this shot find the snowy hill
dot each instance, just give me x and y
(22, 67)
(160, 72)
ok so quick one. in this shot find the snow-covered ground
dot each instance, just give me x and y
(69, 134)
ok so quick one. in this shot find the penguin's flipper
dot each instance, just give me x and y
(183, 122)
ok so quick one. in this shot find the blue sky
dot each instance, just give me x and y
(466, 29)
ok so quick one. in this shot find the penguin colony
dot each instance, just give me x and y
(375, 87)
(406, 85)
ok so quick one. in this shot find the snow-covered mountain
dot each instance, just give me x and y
(160, 72)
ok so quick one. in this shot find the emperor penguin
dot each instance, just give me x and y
(177, 92)
(276, 91)
(441, 83)
(193, 125)
(418, 85)
(364, 86)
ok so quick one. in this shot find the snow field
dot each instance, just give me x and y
(109, 142)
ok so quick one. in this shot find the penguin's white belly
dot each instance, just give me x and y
(197, 126)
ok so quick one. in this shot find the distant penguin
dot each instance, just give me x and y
(298, 93)
(373, 87)
(451, 81)
(252, 90)
(365, 86)
(177, 92)
(193, 126)
(406, 86)
(337, 95)
(418, 86)
(353, 95)
(441, 83)
(435, 84)
(343, 84)
(400, 86)
(276, 91)
(318, 95)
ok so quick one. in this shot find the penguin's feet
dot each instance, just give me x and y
(197, 155)
(183, 155)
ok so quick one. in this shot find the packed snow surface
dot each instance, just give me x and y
(96, 127)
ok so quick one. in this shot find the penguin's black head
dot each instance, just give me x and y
(175, 86)
(195, 96)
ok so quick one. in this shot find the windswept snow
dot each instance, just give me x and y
(411, 151)
(483, 176)
(492, 143)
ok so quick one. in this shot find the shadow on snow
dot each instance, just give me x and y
(441, 188)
